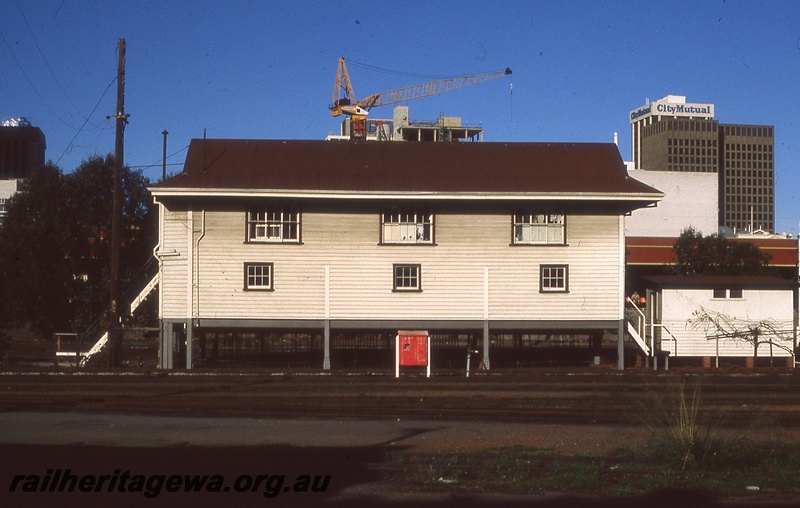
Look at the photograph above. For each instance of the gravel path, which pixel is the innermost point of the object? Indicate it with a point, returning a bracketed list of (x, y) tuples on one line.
[(413, 435)]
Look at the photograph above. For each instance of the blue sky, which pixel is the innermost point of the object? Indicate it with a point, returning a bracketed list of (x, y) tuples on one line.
[(265, 69)]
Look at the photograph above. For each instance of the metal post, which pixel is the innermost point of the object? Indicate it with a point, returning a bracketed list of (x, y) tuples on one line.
[(326, 360), (189, 342), (621, 345), (164, 163), (486, 345), (167, 345)]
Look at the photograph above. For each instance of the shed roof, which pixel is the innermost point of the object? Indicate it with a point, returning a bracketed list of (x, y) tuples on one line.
[(720, 281), (655, 251), (244, 166)]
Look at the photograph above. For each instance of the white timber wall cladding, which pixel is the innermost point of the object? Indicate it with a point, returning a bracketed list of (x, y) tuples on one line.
[(174, 264), (679, 306), (361, 276)]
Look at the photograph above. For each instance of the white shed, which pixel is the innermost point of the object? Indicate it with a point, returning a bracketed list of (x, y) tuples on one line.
[(722, 316)]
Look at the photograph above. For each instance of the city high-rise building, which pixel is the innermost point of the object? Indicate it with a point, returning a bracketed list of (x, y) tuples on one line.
[(747, 177), (22, 148), (672, 135)]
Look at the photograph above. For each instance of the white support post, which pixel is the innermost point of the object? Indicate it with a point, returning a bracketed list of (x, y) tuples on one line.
[(189, 286), (166, 345), (428, 367), (486, 317), (621, 297), (326, 362)]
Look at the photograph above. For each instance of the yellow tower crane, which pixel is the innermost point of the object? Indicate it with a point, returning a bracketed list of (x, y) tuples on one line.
[(344, 99)]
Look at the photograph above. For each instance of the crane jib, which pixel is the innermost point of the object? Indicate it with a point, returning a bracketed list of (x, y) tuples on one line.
[(348, 104)]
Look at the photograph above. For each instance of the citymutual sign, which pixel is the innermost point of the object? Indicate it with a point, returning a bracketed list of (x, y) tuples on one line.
[(673, 109)]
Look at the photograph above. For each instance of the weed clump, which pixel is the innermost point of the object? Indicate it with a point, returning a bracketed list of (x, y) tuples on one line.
[(683, 438)]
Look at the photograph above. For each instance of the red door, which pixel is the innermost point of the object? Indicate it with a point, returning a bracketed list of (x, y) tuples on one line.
[(413, 350)]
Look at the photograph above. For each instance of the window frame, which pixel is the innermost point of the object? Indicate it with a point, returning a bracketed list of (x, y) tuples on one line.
[(564, 276), (402, 288), (288, 216), (522, 220), (418, 223), (727, 293), (247, 276)]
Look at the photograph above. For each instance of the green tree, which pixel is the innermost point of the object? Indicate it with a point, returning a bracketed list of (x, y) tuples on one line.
[(35, 269), (696, 254), (55, 245)]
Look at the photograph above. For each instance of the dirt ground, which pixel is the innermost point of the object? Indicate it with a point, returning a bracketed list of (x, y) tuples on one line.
[(343, 423)]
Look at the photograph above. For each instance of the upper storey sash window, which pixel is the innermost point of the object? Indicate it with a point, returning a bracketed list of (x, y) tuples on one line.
[(409, 225), (273, 224), (538, 228)]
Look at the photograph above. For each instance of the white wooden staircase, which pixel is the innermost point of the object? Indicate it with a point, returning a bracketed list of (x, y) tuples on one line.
[(137, 301)]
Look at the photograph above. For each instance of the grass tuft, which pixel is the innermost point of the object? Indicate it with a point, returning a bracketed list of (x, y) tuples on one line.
[(685, 439)]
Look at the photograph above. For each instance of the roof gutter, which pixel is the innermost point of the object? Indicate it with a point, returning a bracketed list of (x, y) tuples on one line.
[(405, 195)]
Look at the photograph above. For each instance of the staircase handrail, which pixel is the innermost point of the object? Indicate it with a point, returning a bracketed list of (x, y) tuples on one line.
[(672, 337), (97, 326), (641, 321), (647, 350)]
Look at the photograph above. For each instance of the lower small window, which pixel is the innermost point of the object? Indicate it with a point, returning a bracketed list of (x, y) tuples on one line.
[(553, 278), (258, 276), (407, 278)]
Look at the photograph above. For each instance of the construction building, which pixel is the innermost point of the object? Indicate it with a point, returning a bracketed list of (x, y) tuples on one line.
[(401, 128), (673, 135)]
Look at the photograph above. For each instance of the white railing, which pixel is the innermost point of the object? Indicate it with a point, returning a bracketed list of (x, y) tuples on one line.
[(638, 338), (141, 297), (648, 343), (144, 293), (100, 344), (674, 350), (641, 325)]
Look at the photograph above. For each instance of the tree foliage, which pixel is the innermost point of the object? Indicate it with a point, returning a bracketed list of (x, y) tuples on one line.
[(696, 254), (55, 245)]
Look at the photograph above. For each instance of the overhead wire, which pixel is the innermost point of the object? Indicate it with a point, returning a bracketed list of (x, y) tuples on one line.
[(47, 64), (161, 161), (102, 130), (402, 73), (30, 82), (87, 120)]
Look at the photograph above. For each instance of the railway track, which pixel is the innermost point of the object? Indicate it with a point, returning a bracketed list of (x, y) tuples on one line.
[(549, 397)]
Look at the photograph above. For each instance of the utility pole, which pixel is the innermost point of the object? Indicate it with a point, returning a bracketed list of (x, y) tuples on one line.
[(164, 164), (114, 344)]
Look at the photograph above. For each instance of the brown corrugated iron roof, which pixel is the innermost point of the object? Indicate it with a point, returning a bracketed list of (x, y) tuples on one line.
[(344, 166)]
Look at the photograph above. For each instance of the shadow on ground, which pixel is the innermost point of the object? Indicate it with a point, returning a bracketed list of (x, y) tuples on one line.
[(32, 475)]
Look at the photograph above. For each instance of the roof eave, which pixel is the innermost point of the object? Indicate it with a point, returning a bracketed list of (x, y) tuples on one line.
[(391, 195)]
